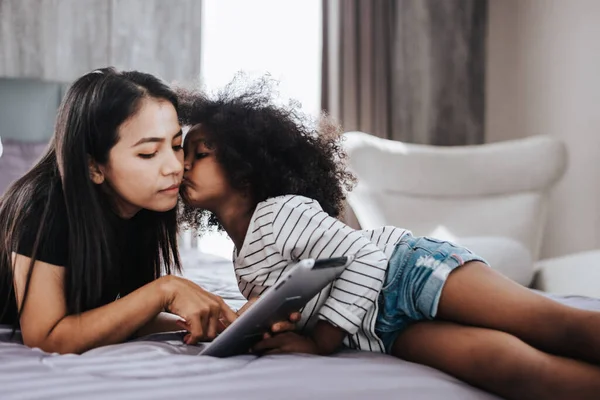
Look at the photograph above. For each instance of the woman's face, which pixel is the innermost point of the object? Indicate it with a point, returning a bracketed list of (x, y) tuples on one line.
[(145, 166), (205, 183)]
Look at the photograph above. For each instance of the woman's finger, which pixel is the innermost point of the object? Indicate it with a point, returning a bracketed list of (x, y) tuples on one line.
[(204, 317), (228, 314), (196, 330), (194, 339), (246, 306), (213, 321), (222, 325)]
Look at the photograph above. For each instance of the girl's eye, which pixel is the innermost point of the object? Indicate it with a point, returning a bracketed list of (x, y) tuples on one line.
[(147, 156), (178, 148), (200, 155)]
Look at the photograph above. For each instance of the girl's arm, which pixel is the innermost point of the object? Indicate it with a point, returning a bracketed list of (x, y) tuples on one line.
[(302, 230), (46, 325), (328, 338)]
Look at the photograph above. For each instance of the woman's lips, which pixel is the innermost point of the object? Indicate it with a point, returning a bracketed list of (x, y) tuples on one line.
[(172, 189)]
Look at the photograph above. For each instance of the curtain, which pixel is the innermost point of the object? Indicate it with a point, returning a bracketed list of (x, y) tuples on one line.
[(408, 70)]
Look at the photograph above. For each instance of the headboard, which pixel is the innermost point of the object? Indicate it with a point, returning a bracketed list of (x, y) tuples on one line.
[(27, 114), (28, 108)]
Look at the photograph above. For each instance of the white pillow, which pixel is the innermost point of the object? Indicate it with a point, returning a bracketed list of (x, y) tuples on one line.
[(505, 255)]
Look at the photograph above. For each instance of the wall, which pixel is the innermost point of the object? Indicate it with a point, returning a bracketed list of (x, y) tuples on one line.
[(543, 77), (63, 39)]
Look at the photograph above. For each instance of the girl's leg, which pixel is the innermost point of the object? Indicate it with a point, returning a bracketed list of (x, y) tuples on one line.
[(476, 295), (497, 362)]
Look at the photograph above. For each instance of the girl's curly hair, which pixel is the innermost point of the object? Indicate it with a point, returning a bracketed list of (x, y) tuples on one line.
[(267, 149)]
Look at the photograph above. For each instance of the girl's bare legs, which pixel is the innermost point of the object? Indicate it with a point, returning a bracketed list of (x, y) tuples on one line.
[(497, 362), (476, 295)]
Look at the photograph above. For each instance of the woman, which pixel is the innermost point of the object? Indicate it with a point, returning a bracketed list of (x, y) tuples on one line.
[(88, 235)]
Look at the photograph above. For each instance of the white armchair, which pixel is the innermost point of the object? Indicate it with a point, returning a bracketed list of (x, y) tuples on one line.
[(491, 198)]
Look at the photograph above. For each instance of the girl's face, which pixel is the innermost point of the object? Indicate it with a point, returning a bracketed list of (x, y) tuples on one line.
[(205, 183), (145, 166)]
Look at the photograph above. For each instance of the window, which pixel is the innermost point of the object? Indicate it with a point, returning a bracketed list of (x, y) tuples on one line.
[(280, 37)]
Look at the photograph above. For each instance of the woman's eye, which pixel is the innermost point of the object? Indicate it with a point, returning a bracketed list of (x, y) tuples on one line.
[(178, 148), (200, 155), (147, 156)]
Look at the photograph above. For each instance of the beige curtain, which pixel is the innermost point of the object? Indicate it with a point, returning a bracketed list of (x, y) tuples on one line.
[(409, 70)]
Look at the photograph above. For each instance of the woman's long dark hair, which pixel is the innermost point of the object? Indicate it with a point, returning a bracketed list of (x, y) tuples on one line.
[(87, 126)]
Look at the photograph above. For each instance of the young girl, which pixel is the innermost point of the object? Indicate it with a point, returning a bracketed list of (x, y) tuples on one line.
[(88, 235), (276, 187)]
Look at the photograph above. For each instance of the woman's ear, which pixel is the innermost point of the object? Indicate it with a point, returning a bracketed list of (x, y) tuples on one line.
[(96, 174)]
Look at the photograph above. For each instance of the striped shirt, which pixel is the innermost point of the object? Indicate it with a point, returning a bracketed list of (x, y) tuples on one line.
[(286, 229)]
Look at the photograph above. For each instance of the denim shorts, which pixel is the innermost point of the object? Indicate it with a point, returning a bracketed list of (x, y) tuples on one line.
[(417, 271)]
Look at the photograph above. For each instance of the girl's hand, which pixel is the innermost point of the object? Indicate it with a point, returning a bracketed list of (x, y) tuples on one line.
[(277, 327), (203, 313), (288, 342)]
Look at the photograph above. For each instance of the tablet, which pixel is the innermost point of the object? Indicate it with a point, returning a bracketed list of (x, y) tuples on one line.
[(304, 281)]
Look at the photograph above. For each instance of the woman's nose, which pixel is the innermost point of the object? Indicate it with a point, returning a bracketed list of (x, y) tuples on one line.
[(173, 165)]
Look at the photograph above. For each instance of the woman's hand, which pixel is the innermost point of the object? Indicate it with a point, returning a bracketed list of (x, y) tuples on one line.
[(277, 327), (246, 306), (202, 312)]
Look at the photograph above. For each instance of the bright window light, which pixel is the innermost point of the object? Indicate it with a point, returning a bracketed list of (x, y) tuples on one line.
[(279, 37)]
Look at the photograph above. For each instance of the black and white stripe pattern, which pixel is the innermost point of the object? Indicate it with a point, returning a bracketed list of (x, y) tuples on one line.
[(289, 228)]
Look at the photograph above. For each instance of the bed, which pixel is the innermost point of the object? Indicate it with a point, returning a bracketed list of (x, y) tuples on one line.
[(161, 366)]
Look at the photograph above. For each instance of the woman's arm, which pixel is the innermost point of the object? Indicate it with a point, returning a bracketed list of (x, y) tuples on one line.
[(45, 323)]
